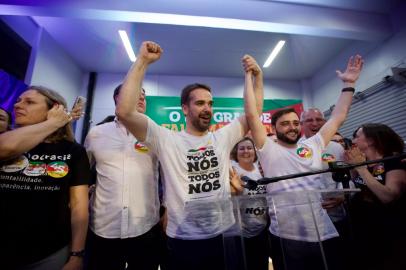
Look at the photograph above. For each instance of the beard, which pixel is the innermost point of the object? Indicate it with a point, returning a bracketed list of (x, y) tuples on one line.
[(281, 136), (201, 124)]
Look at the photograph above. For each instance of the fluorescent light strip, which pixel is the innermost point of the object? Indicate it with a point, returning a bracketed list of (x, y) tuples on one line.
[(127, 45), (190, 20), (274, 53)]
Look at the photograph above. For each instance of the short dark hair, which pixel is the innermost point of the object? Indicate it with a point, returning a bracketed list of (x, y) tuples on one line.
[(108, 119), (233, 153), (384, 139), (278, 114), (184, 98), (117, 92)]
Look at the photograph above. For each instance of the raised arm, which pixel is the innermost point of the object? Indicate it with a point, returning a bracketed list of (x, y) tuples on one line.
[(342, 106), (20, 140), (257, 86), (258, 131), (130, 92)]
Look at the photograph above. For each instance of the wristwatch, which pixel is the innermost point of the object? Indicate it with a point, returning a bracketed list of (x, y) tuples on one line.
[(80, 253)]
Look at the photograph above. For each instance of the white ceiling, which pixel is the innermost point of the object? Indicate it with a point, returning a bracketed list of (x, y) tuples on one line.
[(222, 32)]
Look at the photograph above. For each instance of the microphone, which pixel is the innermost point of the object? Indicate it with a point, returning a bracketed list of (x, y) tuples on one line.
[(249, 183), (340, 172)]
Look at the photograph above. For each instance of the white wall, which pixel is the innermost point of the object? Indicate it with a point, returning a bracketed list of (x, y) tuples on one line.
[(55, 69), (379, 58), (160, 85), (49, 65)]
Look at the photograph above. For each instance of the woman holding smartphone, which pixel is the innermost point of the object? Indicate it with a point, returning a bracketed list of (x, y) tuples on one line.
[(44, 178)]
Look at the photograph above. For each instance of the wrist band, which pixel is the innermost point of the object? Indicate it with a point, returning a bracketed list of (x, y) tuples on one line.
[(80, 253), (348, 89)]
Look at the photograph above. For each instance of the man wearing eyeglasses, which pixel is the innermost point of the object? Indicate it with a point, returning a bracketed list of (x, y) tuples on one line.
[(312, 120)]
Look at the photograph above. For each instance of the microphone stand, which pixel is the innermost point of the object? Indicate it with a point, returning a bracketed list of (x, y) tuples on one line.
[(340, 170)]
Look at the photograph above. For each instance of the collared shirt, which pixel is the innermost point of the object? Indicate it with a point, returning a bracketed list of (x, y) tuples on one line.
[(125, 202)]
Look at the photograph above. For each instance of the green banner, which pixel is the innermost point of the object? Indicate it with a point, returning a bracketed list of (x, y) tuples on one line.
[(167, 112)]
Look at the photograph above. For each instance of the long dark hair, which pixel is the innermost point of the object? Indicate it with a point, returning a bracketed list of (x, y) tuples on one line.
[(384, 139)]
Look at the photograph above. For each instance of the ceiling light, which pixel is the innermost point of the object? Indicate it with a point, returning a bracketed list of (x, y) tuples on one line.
[(127, 45), (274, 53)]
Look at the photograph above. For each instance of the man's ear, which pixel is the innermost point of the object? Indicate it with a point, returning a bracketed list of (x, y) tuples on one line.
[(185, 109)]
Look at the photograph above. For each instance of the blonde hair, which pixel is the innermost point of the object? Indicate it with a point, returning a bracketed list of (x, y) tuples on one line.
[(52, 97)]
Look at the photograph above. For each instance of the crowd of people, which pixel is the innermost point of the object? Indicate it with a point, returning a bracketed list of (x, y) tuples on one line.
[(166, 199)]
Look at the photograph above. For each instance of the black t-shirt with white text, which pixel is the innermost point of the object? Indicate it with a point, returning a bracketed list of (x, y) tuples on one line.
[(379, 172), (34, 200)]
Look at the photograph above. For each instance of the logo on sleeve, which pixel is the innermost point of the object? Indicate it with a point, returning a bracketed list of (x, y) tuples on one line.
[(15, 165), (378, 169), (304, 152), (57, 169), (35, 169), (139, 147), (326, 157)]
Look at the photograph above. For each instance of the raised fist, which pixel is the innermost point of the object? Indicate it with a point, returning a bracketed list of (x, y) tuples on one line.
[(150, 51), (250, 65)]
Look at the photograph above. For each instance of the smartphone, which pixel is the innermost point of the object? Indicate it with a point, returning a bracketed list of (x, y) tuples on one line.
[(79, 101)]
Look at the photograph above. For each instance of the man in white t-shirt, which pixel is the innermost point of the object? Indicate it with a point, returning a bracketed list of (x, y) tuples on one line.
[(124, 208), (294, 236), (311, 121), (195, 164)]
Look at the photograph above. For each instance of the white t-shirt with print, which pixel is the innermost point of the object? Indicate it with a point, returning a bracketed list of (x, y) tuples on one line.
[(196, 173), (333, 152), (252, 204), (290, 208)]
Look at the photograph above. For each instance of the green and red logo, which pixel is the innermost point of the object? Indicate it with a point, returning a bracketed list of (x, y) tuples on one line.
[(378, 169), (304, 152), (326, 157), (57, 169), (35, 169), (194, 151), (139, 147)]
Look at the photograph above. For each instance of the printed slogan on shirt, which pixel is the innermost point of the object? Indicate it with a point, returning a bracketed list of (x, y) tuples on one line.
[(203, 171)]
